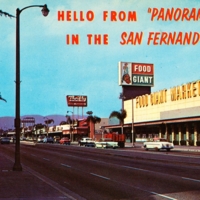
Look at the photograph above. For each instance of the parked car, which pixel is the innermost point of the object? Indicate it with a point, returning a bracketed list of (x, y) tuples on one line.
[(158, 144), (22, 138), (106, 143), (47, 140), (86, 141), (40, 139), (5, 140), (56, 139), (65, 140)]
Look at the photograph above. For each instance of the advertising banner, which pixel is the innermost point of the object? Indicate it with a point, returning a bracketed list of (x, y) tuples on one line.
[(136, 74), (76, 100)]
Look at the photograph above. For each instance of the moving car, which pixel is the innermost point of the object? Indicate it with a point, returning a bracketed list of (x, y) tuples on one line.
[(106, 143), (65, 140), (48, 140), (158, 144), (87, 142), (5, 140)]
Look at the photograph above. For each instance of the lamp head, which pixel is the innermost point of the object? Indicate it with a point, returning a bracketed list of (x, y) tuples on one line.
[(45, 10)]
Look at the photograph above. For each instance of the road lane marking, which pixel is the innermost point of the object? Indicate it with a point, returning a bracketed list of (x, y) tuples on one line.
[(191, 179), (46, 159), (100, 176), (145, 170), (96, 160), (161, 195), (65, 165)]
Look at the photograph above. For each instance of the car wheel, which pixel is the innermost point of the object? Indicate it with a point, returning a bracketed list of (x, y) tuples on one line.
[(146, 148), (157, 149)]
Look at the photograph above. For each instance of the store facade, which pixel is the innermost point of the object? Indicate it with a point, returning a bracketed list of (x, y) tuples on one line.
[(170, 113)]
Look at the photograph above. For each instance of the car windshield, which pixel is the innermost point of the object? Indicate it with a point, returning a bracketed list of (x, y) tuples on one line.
[(163, 140)]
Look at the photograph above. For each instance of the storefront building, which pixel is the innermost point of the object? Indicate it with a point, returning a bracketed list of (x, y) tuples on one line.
[(170, 113)]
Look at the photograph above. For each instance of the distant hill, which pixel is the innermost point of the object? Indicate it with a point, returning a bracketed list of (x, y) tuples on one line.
[(8, 122)]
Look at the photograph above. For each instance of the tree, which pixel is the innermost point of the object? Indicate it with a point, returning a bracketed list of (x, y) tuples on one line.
[(92, 120), (37, 127), (63, 123), (68, 119), (2, 98), (6, 14), (119, 115), (47, 122)]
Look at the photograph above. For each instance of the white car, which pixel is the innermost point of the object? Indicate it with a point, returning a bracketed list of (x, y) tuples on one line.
[(106, 143), (158, 144)]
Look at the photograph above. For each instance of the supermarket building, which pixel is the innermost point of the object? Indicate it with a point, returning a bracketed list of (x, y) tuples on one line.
[(170, 113)]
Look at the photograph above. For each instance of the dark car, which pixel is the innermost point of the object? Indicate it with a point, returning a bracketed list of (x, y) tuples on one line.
[(48, 140), (5, 140), (65, 140)]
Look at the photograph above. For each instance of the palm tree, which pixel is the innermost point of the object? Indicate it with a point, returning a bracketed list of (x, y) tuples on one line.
[(37, 127), (63, 123), (119, 115), (68, 119), (92, 120), (2, 98), (47, 122)]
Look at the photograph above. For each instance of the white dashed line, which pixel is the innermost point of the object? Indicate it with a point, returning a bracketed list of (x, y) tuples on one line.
[(65, 165), (191, 179), (46, 159), (100, 176)]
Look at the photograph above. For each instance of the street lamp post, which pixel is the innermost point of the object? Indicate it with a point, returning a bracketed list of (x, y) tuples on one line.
[(17, 165), (132, 130), (71, 129)]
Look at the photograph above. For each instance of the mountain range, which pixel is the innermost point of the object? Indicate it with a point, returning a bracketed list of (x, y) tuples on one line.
[(8, 122)]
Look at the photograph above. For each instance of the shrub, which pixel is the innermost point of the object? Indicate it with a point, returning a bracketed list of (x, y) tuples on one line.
[(176, 142), (183, 142), (191, 142), (198, 143)]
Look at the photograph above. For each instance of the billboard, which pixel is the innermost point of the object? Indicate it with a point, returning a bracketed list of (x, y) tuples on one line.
[(76, 100), (136, 74)]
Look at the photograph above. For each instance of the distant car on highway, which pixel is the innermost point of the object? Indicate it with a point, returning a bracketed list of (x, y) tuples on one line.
[(65, 140), (158, 144), (5, 140), (106, 143), (48, 140)]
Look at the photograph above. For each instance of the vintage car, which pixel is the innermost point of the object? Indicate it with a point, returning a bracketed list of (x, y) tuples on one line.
[(47, 140), (106, 143), (65, 140), (87, 142), (5, 140), (158, 144)]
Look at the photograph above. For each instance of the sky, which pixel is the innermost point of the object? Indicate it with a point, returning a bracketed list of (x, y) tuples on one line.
[(51, 69)]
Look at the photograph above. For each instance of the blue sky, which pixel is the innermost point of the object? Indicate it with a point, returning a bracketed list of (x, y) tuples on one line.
[(51, 69)]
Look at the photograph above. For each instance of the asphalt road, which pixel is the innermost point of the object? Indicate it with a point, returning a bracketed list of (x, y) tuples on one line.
[(114, 174)]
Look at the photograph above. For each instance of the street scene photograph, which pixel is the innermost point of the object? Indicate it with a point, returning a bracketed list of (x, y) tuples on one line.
[(99, 100)]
